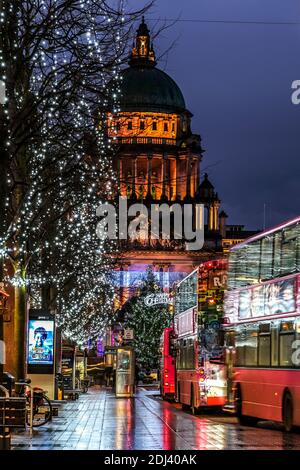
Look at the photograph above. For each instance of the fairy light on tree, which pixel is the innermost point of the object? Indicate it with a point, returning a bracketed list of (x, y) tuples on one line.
[(57, 57)]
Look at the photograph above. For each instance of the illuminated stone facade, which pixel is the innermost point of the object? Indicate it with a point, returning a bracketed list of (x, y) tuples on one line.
[(159, 161)]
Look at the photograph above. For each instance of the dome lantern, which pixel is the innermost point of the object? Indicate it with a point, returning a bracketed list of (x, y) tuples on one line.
[(144, 87), (142, 54)]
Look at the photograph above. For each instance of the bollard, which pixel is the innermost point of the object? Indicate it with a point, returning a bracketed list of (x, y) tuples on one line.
[(5, 440), (60, 394)]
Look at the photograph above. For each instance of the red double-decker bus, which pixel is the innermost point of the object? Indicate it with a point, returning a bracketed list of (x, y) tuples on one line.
[(167, 364), (262, 307), (200, 371)]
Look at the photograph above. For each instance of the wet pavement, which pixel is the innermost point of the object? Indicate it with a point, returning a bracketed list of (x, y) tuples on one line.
[(99, 421)]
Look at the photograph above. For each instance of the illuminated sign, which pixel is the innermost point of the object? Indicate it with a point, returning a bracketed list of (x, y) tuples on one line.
[(217, 280), (40, 342), (128, 334), (155, 299)]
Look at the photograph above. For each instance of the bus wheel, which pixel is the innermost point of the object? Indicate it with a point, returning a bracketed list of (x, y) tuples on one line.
[(243, 419), (193, 407), (287, 412)]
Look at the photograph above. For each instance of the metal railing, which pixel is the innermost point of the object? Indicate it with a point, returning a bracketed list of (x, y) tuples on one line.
[(24, 384), (12, 416)]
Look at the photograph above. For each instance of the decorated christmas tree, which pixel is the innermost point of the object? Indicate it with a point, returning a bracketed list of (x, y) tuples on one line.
[(148, 322)]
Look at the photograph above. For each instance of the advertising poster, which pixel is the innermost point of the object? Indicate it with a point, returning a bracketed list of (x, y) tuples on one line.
[(280, 297), (40, 342)]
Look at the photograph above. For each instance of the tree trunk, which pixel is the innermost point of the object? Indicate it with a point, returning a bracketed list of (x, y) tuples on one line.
[(1, 339), (20, 324)]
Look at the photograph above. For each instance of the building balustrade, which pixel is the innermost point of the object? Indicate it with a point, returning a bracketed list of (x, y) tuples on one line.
[(148, 244), (146, 141)]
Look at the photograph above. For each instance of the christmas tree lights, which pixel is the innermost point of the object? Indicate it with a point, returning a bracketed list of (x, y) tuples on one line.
[(57, 58), (148, 322)]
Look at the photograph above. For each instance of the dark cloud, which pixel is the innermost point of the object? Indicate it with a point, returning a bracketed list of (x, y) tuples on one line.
[(236, 79)]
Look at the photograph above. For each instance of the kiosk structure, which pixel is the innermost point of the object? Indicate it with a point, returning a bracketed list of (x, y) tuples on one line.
[(125, 372)]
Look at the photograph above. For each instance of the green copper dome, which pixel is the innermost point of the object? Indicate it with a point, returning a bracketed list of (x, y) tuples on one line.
[(144, 87), (150, 89)]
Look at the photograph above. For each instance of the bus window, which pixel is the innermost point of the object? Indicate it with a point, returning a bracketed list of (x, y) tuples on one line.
[(277, 254), (289, 251), (252, 263), (179, 355), (264, 345), (172, 349), (190, 354), (230, 339), (188, 364), (240, 349), (246, 346), (184, 354), (251, 346), (232, 270), (241, 258), (266, 264), (274, 344), (286, 339)]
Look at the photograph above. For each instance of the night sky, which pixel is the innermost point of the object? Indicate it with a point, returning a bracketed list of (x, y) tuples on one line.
[(236, 79)]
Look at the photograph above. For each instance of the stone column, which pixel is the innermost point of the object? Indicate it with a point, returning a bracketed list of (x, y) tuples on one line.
[(195, 175), (188, 175), (134, 177), (164, 173), (149, 174), (216, 218), (211, 218), (198, 171), (177, 195)]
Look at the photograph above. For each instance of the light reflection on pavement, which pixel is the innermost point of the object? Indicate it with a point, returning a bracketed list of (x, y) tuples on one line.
[(100, 421)]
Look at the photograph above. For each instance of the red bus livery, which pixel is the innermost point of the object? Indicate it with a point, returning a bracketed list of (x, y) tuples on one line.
[(167, 364), (262, 307), (200, 373)]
